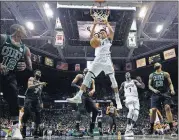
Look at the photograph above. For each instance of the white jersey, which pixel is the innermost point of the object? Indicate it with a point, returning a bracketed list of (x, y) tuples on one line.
[(104, 48), (130, 89)]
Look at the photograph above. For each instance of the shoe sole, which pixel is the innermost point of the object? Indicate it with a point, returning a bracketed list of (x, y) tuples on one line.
[(129, 135), (16, 138), (68, 100)]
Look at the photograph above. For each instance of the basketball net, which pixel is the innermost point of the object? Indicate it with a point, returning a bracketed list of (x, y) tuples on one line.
[(100, 13)]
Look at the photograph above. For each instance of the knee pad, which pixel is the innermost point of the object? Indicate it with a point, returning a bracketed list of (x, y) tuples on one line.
[(88, 77), (113, 81), (135, 115)]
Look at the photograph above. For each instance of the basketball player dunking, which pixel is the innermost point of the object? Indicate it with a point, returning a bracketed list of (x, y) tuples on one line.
[(132, 101), (14, 56), (33, 102), (88, 103), (102, 62), (158, 84)]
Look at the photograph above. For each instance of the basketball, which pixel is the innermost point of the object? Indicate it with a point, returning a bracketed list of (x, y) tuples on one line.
[(95, 42)]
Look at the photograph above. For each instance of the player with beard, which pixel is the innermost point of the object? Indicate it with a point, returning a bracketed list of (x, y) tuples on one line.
[(33, 102), (102, 62), (87, 102), (132, 101), (14, 57), (159, 82)]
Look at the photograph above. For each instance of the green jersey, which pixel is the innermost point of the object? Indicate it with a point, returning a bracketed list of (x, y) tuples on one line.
[(159, 82), (10, 54)]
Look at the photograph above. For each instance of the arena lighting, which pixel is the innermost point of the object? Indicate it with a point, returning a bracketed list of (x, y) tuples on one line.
[(49, 12), (142, 12), (30, 25), (46, 5), (159, 28), (89, 7)]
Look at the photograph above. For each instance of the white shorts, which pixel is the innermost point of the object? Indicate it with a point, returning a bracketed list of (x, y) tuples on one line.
[(102, 63), (132, 100)]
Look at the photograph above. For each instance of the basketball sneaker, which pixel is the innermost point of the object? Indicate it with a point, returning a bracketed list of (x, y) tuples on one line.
[(76, 99), (16, 134), (173, 133), (77, 134), (129, 133)]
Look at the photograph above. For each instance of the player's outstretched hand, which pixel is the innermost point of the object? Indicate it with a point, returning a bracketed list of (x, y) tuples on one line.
[(43, 83)]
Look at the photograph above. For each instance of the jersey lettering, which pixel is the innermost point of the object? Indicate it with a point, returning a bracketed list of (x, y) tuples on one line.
[(158, 80), (10, 56), (130, 89)]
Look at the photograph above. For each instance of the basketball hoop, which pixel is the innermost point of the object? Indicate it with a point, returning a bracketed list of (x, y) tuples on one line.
[(100, 13)]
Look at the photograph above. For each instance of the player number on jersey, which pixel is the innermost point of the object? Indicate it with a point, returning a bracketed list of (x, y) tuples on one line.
[(9, 64), (159, 83), (36, 90)]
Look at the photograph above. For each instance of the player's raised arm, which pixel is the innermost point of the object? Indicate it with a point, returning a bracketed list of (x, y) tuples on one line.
[(93, 29), (77, 78), (111, 31)]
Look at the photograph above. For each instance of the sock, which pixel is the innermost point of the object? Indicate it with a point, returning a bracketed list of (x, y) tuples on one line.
[(171, 125), (77, 126), (152, 126), (80, 93), (92, 125), (132, 123)]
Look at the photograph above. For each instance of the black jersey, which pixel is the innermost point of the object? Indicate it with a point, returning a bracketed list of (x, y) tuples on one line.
[(10, 54), (159, 82), (34, 93)]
